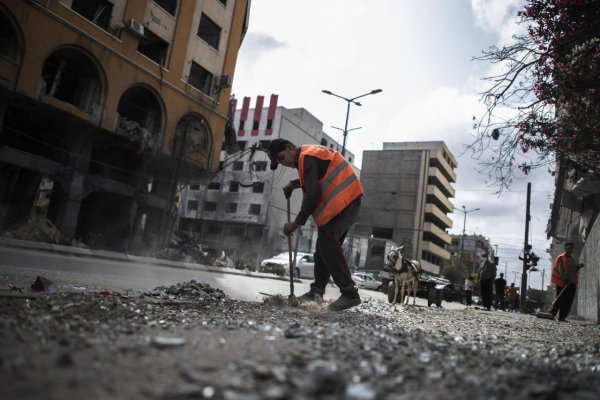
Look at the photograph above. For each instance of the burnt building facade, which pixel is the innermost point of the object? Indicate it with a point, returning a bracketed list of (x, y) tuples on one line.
[(107, 105)]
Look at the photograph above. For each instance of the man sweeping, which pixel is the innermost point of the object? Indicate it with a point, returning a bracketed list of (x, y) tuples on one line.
[(565, 271), (332, 193)]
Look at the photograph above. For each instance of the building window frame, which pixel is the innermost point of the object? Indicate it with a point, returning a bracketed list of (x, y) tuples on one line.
[(209, 31), (258, 187), (200, 78), (170, 6), (254, 209), (192, 205)]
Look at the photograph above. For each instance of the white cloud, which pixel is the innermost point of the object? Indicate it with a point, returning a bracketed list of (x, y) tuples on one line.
[(494, 15)]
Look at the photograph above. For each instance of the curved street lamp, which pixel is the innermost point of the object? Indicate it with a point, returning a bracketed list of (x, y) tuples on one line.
[(350, 101)]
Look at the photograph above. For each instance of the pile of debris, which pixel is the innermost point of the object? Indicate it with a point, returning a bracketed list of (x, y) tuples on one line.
[(41, 229), (185, 247), (191, 290)]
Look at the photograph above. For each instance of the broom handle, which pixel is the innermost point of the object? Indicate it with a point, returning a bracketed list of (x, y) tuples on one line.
[(558, 297), (289, 218)]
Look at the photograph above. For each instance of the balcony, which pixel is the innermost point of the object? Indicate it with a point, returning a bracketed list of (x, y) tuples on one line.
[(440, 199), (439, 233), (439, 179), (441, 163), (436, 250), (439, 214)]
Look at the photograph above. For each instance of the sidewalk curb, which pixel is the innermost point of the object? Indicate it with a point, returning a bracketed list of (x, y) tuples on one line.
[(115, 256)]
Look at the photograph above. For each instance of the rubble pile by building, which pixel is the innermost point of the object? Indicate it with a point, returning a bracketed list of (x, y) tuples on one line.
[(182, 246), (42, 230)]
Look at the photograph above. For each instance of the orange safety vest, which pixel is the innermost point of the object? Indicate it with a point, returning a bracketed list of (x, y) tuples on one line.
[(556, 279), (339, 187)]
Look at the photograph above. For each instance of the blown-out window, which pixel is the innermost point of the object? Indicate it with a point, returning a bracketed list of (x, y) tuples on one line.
[(254, 209), (97, 11), (192, 205), (209, 31), (258, 187), (70, 76), (192, 133), (168, 5), (153, 47), (200, 78), (9, 42)]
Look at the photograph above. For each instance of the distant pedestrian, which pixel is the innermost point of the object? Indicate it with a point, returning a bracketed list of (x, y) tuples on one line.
[(565, 272), (511, 294), (499, 288), (487, 273), (469, 285)]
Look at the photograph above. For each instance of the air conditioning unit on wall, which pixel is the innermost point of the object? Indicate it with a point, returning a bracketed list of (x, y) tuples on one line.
[(136, 27), (223, 81)]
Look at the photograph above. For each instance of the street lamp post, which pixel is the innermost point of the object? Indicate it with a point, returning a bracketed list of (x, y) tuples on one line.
[(350, 101), (462, 242)]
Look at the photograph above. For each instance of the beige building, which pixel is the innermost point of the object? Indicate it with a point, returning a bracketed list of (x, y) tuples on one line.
[(408, 186), (113, 102)]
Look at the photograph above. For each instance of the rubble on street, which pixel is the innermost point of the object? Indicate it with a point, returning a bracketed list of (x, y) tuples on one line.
[(191, 341)]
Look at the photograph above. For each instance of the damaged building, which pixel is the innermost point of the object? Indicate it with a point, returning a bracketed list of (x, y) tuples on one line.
[(106, 106)]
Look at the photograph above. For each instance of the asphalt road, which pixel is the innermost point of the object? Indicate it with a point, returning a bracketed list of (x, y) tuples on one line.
[(191, 341), (98, 274)]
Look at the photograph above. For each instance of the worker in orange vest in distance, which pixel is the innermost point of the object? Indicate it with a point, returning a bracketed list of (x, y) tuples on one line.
[(331, 193), (511, 294), (565, 276)]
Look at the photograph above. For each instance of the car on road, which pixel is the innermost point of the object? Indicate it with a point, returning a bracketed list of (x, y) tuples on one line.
[(280, 265), (366, 281), (454, 292)]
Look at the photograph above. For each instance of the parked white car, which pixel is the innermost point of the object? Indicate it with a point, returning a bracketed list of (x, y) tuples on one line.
[(366, 281), (279, 265)]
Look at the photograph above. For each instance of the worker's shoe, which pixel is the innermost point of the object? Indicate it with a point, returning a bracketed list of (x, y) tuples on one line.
[(345, 301), (311, 297)]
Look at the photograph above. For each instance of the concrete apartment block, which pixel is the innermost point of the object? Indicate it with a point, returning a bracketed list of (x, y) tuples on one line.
[(408, 186)]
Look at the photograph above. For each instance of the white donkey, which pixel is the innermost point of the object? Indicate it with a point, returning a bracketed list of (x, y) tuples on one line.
[(406, 274)]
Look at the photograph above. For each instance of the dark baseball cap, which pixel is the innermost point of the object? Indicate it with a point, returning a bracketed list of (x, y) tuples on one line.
[(274, 148)]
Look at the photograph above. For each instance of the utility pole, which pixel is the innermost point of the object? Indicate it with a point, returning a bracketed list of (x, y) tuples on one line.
[(526, 249), (543, 273), (505, 268)]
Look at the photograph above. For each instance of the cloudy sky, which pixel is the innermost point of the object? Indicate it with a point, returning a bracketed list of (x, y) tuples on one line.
[(419, 52)]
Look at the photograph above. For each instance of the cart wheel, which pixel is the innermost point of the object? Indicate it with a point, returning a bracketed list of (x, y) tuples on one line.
[(390, 291)]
